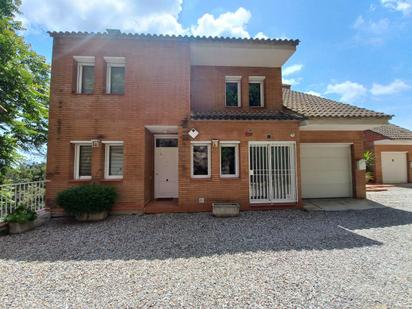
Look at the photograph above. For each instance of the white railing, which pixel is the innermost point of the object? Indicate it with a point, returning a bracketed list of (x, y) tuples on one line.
[(29, 194)]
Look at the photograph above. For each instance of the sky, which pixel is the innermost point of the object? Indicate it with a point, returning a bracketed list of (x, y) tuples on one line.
[(358, 52)]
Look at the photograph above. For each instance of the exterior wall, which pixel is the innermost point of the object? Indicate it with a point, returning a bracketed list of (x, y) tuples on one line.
[(215, 188), (208, 87), (151, 98), (354, 137), (378, 162), (369, 137)]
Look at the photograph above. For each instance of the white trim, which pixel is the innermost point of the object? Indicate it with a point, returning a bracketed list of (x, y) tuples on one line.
[(200, 142), (209, 161), (393, 142), (256, 79), (115, 60), (237, 80), (232, 78), (226, 144), (229, 142), (118, 62), (77, 158), (113, 142), (394, 152), (341, 124), (107, 158), (81, 142), (90, 60), (261, 81)]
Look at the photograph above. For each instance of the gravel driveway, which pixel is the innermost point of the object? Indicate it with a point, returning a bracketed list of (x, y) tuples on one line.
[(285, 258)]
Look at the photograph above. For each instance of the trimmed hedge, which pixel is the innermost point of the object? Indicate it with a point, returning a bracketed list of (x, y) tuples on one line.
[(92, 198)]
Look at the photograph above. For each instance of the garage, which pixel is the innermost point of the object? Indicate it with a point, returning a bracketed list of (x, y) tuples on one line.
[(326, 170), (394, 167)]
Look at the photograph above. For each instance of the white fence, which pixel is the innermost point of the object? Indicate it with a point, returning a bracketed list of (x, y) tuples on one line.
[(29, 194)]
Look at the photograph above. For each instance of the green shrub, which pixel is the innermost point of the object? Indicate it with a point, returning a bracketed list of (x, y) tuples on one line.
[(87, 199), (21, 214)]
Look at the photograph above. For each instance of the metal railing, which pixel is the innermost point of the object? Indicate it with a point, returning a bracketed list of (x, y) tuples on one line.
[(29, 194)]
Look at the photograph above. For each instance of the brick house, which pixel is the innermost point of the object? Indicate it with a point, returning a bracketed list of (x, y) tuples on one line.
[(392, 146), (177, 123)]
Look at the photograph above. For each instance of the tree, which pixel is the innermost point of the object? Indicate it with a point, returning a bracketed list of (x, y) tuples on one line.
[(24, 91)]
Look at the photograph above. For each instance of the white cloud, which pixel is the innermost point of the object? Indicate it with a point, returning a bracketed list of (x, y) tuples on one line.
[(292, 81), (155, 16), (292, 69), (404, 6), (261, 35), (373, 27), (347, 90), (396, 86), (311, 92), (226, 24)]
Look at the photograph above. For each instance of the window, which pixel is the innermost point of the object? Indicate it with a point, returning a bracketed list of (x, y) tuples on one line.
[(85, 74), (232, 92), (113, 167), (229, 159), (166, 142), (83, 160), (256, 91), (200, 160), (115, 75)]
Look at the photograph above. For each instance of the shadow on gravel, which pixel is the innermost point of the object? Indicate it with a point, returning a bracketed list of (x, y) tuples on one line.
[(197, 235)]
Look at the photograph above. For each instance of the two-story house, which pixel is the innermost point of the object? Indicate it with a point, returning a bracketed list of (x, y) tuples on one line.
[(177, 123)]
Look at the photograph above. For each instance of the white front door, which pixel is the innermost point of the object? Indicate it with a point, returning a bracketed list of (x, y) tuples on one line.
[(166, 180), (394, 167)]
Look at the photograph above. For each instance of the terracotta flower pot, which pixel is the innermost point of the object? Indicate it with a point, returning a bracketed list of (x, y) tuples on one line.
[(98, 216), (17, 228)]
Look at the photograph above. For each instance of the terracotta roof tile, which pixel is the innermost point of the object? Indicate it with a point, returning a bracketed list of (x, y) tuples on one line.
[(392, 131), (314, 106), (246, 115), (118, 34)]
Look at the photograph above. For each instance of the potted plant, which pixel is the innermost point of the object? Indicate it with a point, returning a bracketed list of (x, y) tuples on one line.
[(90, 202), (21, 220)]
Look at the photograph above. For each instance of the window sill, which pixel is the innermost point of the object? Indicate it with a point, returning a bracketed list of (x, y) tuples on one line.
[(258, 107), (229, 177), (115, 94), (85, 94), (80, 180), (111, 180)]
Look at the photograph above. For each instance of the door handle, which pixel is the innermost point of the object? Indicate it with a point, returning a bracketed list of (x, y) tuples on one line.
[(167, 179)]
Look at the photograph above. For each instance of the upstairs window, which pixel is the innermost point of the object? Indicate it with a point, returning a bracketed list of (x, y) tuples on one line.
[(113, 160), (256, 91), (232, 94), (85, 74), (82, 160), (115, 75)]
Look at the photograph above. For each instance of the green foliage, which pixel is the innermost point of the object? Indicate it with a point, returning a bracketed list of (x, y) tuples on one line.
[(21, 214), (92, 198), (24, 91), (25, 172), (369, 158)]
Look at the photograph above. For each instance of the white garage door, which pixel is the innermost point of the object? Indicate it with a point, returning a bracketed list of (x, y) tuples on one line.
[(326, 170), (394, 167)]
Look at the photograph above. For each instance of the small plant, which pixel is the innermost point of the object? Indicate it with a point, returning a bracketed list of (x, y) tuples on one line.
[(87, 199), (21, 214), (369, 158), (369, 177)]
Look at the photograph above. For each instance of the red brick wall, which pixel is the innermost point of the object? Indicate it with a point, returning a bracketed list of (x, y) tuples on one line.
[(378, 159), (369, 137), (151, 97), (216, 188), (208, 87)]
